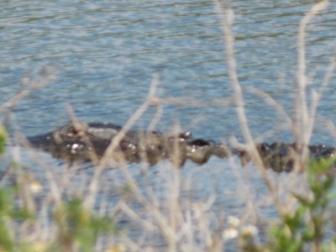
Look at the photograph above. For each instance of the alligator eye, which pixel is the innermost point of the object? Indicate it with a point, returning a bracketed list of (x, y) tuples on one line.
[(200, 142), (72, 132)]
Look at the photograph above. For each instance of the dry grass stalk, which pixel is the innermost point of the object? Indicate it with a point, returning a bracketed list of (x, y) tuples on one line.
[(185, 226), (106, 159), (226, 17), (46, 75), (304, 121)]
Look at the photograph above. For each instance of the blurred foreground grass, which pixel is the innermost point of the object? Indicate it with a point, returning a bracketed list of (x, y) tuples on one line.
[(65, 223), (307, 228)]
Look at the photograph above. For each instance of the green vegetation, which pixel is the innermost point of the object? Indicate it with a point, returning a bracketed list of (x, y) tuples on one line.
[(8, 214), (170, 220), (306, 228), (77, 228), (3, 136)]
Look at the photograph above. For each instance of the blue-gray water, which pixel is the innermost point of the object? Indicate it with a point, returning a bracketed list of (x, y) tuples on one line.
[(106, 53)]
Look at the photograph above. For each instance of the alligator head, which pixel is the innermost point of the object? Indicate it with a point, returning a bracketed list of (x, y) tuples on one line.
[(76, 141)]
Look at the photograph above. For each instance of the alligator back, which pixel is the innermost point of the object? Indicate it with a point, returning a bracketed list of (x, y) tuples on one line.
[(79, 141)]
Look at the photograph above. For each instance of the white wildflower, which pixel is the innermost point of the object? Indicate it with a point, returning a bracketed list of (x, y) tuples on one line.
[(230, 234), (233, 221), (35, 187)]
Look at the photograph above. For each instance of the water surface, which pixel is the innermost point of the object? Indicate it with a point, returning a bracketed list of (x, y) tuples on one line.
[(106, 54)]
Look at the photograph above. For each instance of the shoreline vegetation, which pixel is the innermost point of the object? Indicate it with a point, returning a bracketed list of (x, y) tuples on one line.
[(61, 215)]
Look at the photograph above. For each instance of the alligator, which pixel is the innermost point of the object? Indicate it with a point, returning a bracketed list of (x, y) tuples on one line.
[(87, 142), (81, 141)]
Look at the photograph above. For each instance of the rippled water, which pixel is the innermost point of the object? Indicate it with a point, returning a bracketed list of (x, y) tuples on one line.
[(106, 53)]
